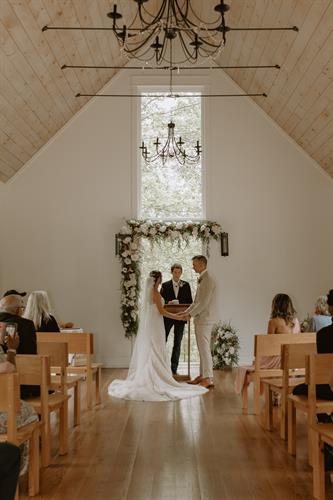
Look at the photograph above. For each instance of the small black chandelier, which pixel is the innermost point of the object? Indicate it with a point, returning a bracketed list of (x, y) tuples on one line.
[(172, 149)]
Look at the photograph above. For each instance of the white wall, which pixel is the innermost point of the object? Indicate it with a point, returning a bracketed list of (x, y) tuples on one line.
[(60, 214)]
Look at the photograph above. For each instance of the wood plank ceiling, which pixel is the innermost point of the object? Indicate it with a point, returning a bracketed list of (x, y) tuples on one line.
[(37, 98)]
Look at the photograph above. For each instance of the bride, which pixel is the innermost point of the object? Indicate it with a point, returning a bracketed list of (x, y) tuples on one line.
[(149, 376)]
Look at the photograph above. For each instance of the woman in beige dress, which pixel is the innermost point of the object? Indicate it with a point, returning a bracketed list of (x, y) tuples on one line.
[(283, 320)]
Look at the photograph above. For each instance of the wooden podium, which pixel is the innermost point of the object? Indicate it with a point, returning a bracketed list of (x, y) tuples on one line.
[(177, 308)]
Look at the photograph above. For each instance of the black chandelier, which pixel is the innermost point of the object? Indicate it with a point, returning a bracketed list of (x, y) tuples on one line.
[(172, 149), (174, 19), (149, 36)]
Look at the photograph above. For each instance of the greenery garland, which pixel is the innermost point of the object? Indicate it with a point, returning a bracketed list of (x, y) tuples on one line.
[(225, 343), (129, 252)]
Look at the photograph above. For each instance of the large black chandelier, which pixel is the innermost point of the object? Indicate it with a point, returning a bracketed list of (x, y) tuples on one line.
[(172, 150), (149, 36)]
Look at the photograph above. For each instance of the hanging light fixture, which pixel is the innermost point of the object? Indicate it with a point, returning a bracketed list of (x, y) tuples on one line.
[(172, 149), (172, 21)]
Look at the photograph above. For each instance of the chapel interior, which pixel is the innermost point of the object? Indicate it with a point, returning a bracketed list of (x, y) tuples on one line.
[(71, 178)]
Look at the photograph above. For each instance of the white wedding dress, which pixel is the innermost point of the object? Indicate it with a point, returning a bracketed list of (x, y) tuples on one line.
[(149, 376)]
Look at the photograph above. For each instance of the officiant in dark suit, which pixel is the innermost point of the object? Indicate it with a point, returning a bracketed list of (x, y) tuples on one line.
[(176, 290)]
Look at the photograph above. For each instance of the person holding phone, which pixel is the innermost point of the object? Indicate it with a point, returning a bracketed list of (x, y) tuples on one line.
[(9, 342)]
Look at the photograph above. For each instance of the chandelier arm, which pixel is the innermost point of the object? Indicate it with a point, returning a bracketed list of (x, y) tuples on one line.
[(138, 47), (191, 57), (155, 19)]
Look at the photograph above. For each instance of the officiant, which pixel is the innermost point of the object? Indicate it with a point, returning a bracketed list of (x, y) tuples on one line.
[(175, 291)]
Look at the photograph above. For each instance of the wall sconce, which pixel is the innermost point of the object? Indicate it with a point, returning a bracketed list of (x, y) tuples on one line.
[(224, 245), (117, 242)]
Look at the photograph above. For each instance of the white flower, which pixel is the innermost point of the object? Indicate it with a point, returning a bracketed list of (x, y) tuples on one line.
[(152, 231), (135, 257), (134, 246), (216, 229), (162, 229), (127, 261), (179, 225), (124, 254), (203, 228), (126, 230), (144, 228), (231, 350), (195, 232)]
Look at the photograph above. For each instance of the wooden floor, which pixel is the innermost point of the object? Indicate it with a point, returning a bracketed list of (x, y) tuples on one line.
[(197, 449)]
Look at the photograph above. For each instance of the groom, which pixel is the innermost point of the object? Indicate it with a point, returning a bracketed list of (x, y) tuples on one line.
[(201, 311), (175, 290)]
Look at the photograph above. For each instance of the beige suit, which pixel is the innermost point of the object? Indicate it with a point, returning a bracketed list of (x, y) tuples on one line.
[(201, 311)]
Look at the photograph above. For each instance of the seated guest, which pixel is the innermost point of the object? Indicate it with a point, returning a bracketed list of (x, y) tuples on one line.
[(283, 320), (10, 309), (324, 342), (26, 415), (38, 310), (321, 317), (9, 470)]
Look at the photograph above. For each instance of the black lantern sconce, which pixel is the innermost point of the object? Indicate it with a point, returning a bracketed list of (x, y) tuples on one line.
[(117, 243), (224, 245)]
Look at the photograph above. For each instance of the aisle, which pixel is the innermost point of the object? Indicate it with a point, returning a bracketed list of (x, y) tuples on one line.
[(198, 449)]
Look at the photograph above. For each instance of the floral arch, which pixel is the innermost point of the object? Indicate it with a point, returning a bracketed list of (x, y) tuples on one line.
[(128, 243)]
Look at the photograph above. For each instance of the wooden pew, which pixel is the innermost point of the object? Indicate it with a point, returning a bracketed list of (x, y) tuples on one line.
[(34, 369), (268, 345), (10, 403), (322, 434), (60, 380), (79, 343), (317, 371), (292, 358)]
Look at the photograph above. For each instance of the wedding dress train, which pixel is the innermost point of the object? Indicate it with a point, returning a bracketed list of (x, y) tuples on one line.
[(149, 377)]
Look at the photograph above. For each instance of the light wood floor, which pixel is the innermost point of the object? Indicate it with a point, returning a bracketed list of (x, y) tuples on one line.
[(197, 449)]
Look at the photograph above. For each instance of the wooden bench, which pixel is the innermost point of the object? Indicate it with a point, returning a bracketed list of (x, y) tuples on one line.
[(268, 345), (79, 343), (292, 358), (317, 371), (34, 369), (60, 379), (322, 434), (10, 404)]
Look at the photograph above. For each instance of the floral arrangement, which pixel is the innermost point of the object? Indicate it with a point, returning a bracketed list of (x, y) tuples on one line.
[(306, 324), (129, 252), (225, 345)]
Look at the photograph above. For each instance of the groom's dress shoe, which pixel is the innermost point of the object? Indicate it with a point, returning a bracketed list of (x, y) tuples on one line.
[(207, 383), (196, 381)]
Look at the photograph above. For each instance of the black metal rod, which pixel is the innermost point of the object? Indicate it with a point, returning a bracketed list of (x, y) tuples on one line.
[(173, 68), (90, 28), (172, 96)]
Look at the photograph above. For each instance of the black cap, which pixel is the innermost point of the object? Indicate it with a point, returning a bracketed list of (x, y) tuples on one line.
[(14, 292), (330, 298)]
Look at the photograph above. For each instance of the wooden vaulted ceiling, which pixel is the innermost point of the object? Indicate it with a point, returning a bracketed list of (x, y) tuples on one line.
[(37, 98)]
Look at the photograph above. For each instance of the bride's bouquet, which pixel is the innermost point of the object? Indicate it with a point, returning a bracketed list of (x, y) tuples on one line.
[(225, 345)]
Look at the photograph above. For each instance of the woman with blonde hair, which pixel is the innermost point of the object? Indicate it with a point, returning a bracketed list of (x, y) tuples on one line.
[(321, 317), (38, 309)]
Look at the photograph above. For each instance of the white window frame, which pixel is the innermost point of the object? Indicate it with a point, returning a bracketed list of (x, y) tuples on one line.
[(160, 84)]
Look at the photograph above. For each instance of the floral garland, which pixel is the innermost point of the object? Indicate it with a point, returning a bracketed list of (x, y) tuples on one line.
[(129, 252), (225, 345)]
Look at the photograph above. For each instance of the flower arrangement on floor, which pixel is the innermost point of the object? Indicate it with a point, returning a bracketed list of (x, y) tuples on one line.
[(225, 345), (129, 252)]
